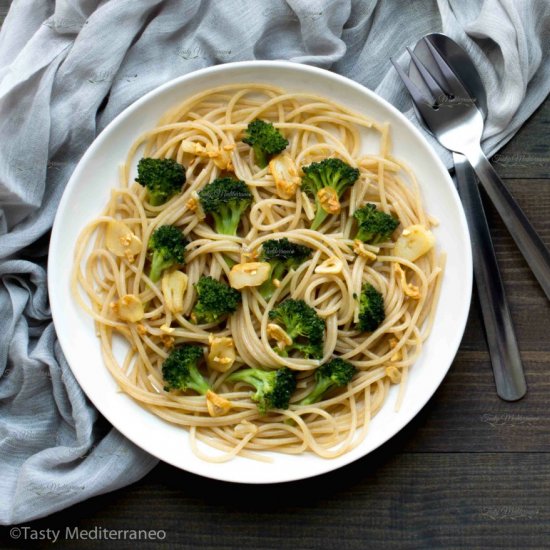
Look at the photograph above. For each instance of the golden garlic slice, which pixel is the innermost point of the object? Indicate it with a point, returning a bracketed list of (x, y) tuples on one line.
[(249, 274), (173, 286), (414, 242), (121, 241), (216, 404), (329, 201), (277, 333), (128, 308), (285, 173), (222, 353)]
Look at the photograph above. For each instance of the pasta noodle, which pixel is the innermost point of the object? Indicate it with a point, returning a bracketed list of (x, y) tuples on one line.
[(316, 128)]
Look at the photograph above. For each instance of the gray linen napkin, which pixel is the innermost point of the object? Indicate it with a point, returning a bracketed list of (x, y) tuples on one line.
[(67, 68)]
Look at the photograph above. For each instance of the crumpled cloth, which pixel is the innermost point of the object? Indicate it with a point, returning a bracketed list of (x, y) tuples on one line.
[(67, 68)]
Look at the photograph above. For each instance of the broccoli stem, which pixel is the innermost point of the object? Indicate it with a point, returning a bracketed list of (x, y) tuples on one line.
[(227, 221), (365, 236), (320, 388), (260, 156), (320, 216), (247, 375), (158, 265), (155, 199), (198, 383), (267, 288)]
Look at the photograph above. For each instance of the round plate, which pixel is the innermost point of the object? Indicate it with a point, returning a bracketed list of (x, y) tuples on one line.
[(88, 191)]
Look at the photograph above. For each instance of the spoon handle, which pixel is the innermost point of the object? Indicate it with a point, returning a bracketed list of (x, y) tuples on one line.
[(499, 330), (527, 239)]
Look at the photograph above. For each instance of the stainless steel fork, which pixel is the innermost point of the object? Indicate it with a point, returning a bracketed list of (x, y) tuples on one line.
[(453, 118)]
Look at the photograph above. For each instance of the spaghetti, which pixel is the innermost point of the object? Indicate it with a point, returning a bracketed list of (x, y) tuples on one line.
[(204, 134)]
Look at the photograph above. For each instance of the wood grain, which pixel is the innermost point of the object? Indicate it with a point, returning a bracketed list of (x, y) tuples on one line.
[(527, 155), (470, 471), (439, 500)]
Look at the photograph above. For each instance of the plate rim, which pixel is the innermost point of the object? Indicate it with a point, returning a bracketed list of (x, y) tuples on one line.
[(215, 473)]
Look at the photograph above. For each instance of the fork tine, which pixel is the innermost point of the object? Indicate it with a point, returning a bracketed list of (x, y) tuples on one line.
[(417, 96), (453, 83), (435, 88)]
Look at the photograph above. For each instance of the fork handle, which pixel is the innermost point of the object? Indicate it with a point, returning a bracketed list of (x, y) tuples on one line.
[(527, 239), (499, 330)]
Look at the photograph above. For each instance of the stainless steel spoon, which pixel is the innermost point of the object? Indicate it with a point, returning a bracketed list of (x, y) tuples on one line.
[(501, 339)]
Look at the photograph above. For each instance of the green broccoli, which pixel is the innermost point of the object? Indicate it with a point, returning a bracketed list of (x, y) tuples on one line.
[(225, 199), (163, 178), (180, 370), (266, 141), (374, 226), (326, 182), (273, 387), (283, 256), (371, 309), (167, 247), (336, 373), (215, 301), (303, 325)]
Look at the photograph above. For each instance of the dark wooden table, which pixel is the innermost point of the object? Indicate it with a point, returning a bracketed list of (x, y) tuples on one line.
[(469, 471)]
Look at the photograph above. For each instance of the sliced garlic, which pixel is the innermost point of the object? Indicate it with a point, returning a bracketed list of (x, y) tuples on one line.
[(222, 353), (216, 404), (247, 255), (220, 156), (328, 199), (285, 173), (408, 289), (361, 250), (202, 151), (331, 266), (397, 356), (121, 241), (168, 341), (188, 146), (414, 242), (275, 332), (249, 274), (194, 205), (174, 285), (308, 207), (128, 308), (223, 160), (394, 374)]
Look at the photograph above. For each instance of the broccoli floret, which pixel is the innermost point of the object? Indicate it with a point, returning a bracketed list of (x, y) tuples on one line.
[(332, 176), (163, 178), (283, 256), (303, 325), (167, 246), (266, 141), (374, 226), (225, 199), (273, 387), (335, 373), (180, 370), (371, 309), (215, 301)]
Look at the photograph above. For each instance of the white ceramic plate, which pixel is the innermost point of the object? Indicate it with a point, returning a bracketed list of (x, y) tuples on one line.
[(88, 191)]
